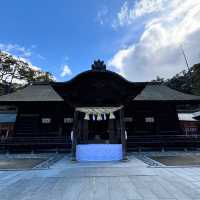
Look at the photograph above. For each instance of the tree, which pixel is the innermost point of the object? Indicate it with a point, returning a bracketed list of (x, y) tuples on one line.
[(185, 81), (159, 79), (15, 72), (196, 79), (181, 82)]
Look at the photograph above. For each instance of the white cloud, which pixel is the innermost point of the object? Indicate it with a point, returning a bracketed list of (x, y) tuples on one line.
[(22, 53), (41, 57), (65, 71), (130, 12), (16, 50), (157, 52), (144, 7), (102, 15)]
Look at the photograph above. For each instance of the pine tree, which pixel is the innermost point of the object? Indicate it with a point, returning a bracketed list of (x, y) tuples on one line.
[(15, 73)]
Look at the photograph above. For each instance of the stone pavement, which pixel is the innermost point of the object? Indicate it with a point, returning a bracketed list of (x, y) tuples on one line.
[(133, 180)]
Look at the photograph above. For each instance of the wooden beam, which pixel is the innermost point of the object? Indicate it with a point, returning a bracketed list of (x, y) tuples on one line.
[(112, 137), (85, 131)]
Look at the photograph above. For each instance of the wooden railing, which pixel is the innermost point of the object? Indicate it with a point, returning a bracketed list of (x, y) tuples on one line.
[(35, 141), (133, 142), (163, 141)]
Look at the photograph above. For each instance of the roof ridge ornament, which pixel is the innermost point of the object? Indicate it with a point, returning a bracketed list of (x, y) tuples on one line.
[(98, 65)]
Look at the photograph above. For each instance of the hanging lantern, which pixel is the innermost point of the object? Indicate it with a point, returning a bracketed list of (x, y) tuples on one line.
[(87, 117), (112, 116), (99, 118), (104, 116)]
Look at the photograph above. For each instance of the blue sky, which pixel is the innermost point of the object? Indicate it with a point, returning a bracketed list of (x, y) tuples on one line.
[(127, 35), (61, 32)]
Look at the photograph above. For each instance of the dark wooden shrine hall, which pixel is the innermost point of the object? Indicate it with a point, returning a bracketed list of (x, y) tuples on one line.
[(97, 106)]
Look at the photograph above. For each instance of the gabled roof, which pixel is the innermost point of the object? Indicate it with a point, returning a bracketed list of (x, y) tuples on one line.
[(39, 92), (45, 92), (156, 92)]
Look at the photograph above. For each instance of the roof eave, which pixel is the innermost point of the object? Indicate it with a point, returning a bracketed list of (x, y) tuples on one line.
[(172, 101)]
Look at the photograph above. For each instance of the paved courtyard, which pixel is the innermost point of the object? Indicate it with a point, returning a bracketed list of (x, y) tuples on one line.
[(133, 180)]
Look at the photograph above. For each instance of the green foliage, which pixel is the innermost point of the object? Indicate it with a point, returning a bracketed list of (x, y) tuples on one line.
[(196, 79), (187, 82), (181, 82), (15, 73), (1, 89)]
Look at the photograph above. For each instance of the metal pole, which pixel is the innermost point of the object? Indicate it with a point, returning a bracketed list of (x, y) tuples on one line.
[(186, 61)]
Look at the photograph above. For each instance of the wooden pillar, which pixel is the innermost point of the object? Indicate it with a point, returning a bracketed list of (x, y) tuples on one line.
[(111, 132), (118, 133), (59, 117), (157, 122), (178, 124), (60, 129), (123, 139), (74, 139), (85, 131)]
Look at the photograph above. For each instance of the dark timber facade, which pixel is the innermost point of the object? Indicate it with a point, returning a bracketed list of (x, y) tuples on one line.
[(145, 114)]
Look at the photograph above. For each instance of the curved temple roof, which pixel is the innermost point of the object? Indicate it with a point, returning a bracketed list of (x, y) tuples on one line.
[(42, 92), (45, 92), (157, 92), (98, 83)]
